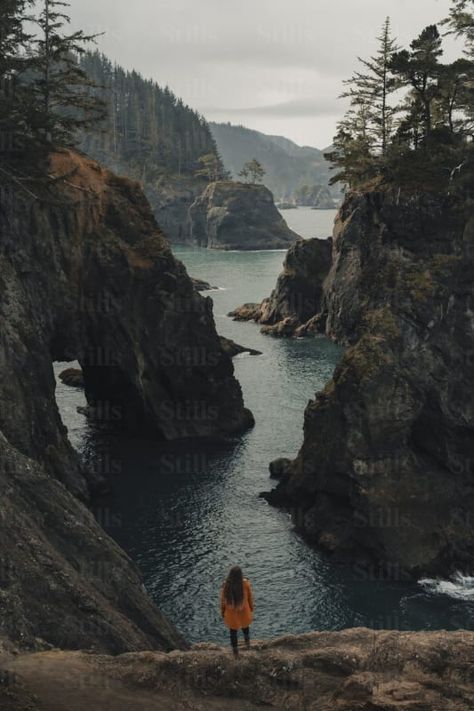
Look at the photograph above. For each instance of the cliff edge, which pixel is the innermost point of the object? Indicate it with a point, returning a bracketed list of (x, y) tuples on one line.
[(352, 670), (384, 475), (86, 274)]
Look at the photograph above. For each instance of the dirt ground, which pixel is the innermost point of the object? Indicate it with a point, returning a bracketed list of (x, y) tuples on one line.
[(354, 670)]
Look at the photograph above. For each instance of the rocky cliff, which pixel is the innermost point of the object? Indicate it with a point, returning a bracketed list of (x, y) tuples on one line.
[(353, 670), (295, 304), (231, 215), (85, 274), (384, 476), (171, 199)]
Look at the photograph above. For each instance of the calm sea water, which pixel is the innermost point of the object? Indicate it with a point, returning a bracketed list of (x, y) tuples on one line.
[(186, 512)]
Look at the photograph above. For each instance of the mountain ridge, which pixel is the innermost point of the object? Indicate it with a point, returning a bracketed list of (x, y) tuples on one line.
[(288, 166)]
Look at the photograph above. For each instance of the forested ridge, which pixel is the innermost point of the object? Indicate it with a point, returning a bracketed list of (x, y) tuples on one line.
[(147, 132)]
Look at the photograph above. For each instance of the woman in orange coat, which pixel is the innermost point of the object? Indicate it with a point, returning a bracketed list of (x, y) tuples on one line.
[(237, 606)]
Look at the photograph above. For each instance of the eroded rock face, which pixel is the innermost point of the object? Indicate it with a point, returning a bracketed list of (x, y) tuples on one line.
[(231, 215), (86, 274), (64, 582), (385, 474), (295, 305), (170, 200)]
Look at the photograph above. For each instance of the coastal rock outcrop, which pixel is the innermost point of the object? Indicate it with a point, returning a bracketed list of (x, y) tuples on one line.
[(351, 670), (201, 285), (384, 476), (64, 583), (230, 215), (86, 275), (295, 305), (170, 199), (234, 349)]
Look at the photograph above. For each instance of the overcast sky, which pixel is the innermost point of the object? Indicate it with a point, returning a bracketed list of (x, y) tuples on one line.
[(273, 65)]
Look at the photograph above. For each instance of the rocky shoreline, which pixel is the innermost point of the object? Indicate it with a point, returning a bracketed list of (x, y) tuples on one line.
[(294, 307), (383, 478)]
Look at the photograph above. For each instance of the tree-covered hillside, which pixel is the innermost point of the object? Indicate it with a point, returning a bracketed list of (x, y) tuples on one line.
[(148, 132), (288, 166)]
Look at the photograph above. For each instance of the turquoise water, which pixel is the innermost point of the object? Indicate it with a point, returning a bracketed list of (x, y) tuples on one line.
[(186, 512)]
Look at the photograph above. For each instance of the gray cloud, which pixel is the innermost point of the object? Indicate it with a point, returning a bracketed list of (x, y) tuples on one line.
[(290, 109), (276, 66)]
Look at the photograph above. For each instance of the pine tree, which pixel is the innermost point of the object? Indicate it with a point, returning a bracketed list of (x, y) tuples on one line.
[(456, 96), (420, 69), (13, 65), (372, 88), (461, 23), (209, 167), (253, 171), (61, 89), (351, 154)]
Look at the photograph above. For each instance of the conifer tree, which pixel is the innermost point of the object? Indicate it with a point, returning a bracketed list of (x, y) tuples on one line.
[(61, 89), (13, 64), (372, 87), (420, 69), (461, 23), (351, 154), (252, 171), (210, 167)]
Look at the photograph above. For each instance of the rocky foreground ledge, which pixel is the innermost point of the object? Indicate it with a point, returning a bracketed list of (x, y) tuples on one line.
[(353, 670)]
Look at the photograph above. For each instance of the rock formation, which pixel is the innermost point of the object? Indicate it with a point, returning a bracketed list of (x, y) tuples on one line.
[(64, 582), (231, 215), (85, 274), (295, 305), (384, 476), (201, 285), (170, 200), (352, 670), (234, 349), (72, 377)]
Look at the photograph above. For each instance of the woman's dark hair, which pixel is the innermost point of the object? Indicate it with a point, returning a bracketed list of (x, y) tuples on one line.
[(234, 587)]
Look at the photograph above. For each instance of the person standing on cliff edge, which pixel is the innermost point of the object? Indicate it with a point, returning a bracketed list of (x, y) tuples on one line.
[(237, 606)]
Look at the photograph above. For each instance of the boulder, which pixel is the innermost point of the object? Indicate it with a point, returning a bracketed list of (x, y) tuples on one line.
[(72, 377)]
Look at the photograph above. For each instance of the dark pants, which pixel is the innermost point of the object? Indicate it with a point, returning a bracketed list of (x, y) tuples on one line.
[(234, 633)]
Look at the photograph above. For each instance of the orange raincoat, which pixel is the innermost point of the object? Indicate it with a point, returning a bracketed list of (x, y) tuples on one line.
[(237, 618)]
